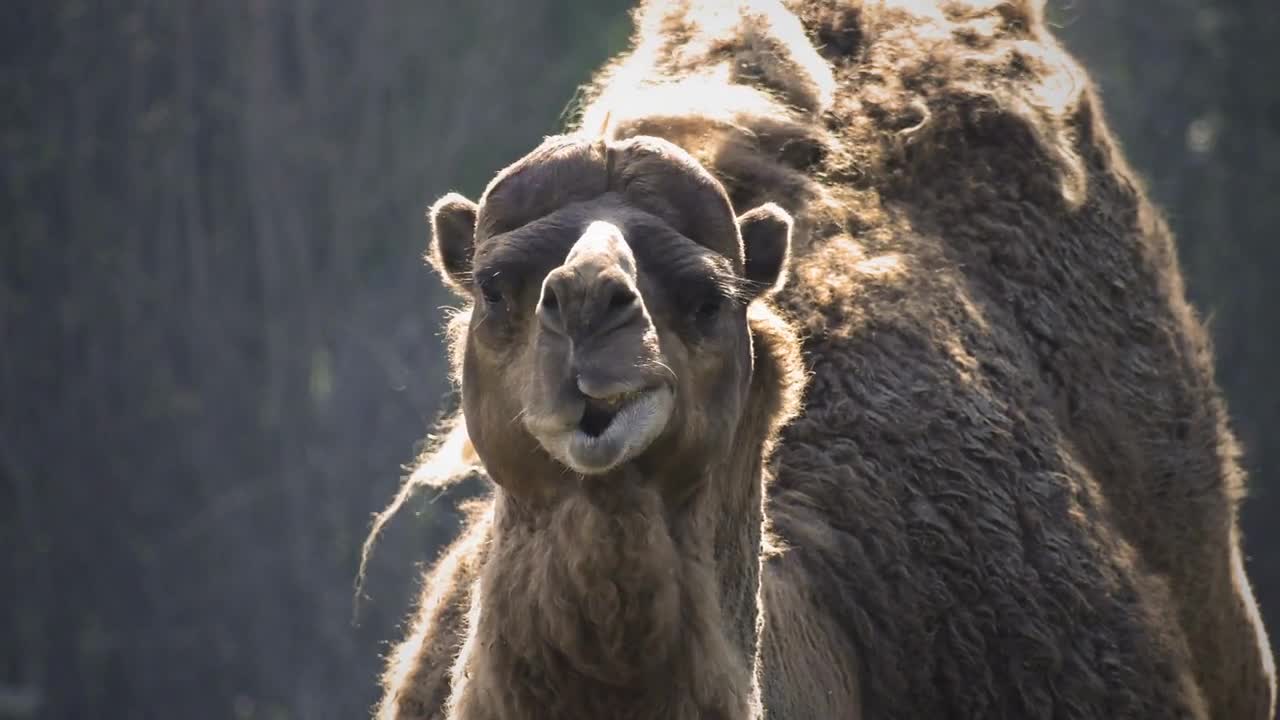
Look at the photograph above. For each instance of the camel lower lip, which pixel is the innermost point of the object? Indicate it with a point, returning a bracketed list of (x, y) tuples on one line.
[(638, 422)]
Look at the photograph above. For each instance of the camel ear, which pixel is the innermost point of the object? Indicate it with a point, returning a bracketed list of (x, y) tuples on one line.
[(766, 242), (453, 232)]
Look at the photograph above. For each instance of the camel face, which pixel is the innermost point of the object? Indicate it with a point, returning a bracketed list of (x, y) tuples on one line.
[(603, 391), (608, 329)]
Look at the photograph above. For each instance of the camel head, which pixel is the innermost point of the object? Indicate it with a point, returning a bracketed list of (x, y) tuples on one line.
[(609, 285)]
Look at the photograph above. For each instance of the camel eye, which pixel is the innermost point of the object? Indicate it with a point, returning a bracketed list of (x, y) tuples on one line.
[(490, 290), (708, 309)]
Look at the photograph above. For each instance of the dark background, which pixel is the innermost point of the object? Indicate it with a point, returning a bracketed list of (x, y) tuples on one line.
[(218, 345)]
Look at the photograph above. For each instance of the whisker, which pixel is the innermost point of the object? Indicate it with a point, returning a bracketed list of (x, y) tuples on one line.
[(666, 367)]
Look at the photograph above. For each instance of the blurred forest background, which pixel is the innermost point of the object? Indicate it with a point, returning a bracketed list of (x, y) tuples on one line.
[(218, 345)]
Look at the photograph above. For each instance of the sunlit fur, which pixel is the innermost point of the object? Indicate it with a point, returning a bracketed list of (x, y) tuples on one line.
[(1011, 490)]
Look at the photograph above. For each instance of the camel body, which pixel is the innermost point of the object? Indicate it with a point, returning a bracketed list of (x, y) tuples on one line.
[(1009, 488)]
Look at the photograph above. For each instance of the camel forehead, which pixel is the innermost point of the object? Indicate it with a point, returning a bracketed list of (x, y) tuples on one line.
[(545, 243), (641, 173)]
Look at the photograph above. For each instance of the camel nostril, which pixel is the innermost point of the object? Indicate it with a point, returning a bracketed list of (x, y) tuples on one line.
[(550, 302), (622, 298)]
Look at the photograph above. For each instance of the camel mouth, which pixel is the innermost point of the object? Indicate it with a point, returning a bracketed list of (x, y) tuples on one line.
[(613, 430), (598, 413)]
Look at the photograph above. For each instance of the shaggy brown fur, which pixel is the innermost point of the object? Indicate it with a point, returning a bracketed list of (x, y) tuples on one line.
[(1011, 490)]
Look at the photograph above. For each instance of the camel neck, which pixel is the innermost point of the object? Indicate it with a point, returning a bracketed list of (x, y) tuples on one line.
[(609, 604)]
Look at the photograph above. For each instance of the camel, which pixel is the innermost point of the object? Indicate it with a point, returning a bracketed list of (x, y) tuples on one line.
[(834, 364)]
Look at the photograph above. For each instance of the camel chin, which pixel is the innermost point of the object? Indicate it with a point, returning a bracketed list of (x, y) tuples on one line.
[(636, 422)]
